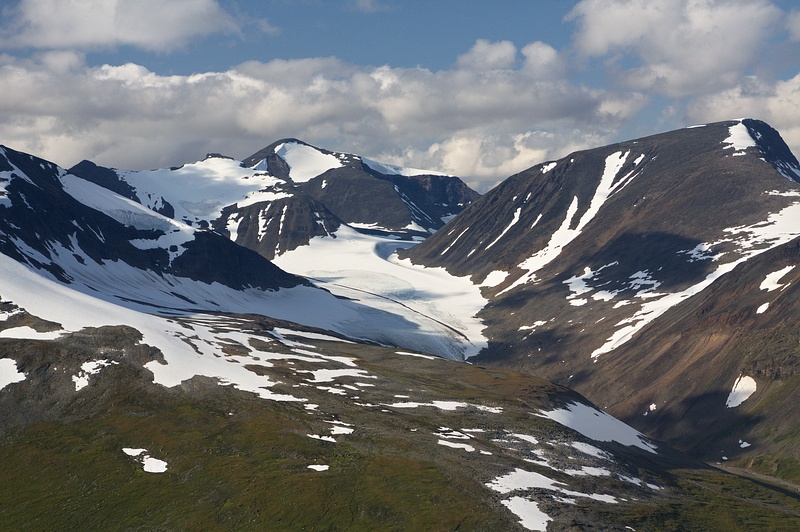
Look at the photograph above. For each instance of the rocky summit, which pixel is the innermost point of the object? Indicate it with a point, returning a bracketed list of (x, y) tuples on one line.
[(309, 339)]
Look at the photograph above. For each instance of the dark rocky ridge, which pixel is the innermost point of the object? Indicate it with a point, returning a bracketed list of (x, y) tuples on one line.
[(688, 190), (42, 214)]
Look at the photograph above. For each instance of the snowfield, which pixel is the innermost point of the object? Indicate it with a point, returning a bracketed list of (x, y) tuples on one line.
[(365, 268)]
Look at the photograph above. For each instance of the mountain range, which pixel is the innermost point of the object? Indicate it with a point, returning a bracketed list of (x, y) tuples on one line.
[(280, 341)]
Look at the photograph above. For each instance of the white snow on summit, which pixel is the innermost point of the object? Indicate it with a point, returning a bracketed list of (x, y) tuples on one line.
[(200, 190), (390, 169), (739, 139), (306, 162)]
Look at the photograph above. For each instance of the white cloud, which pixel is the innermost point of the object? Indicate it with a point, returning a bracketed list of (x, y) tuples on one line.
[(370, 6), (485, 55), (542, 61), (91, 24), (480, 124), (793, 25), (485, 160), (676, 47)]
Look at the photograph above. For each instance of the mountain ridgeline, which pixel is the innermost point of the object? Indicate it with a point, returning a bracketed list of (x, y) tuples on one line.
[(307, 192), (263, 342)]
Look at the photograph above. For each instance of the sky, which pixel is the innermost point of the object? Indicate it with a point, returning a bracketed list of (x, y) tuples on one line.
[(478, 89)]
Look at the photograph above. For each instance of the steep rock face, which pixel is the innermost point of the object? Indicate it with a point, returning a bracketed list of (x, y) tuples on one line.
[(596, 266), (47, 226), (368, 195)]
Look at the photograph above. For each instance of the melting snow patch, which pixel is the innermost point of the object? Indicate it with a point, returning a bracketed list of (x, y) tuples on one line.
[(771, 283), (9, 373), (588, 471), (92, 367), (530, 516), (597, 425), (323, 438), (743, 444), (149, 464), (494, 278), (738, 138), (743, 388), (328, 375), (340, 427), (591, 450), (465, 446), (28, 333), (317, 467), (762, 309), (520, 479)]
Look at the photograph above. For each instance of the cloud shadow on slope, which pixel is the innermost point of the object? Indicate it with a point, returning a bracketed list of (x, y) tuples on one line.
[(664, 257)]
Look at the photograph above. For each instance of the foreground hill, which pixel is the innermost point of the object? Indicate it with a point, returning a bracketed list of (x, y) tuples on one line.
[(622, 271), (331, 435)]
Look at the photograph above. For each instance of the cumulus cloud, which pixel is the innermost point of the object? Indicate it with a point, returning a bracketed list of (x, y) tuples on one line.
[(676, 47), (370, 6), (480, 124), (91, 24), (793, 24), (486, 55)]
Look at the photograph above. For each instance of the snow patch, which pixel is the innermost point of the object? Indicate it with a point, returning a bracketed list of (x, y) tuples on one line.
[(494, 278), (390, 169), (530, 516), (771, 283), (742, 389), (306, 162), (513, 222), (739, 139), (454, 445), (597, 425), (149, 464), (9, 373), (28, 333), (92, 367)]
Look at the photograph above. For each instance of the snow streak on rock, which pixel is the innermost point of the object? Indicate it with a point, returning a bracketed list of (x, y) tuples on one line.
[(749, 241), (565, 234)]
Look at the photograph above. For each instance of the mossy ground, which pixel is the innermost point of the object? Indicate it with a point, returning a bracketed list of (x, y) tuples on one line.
[(238, 462)]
